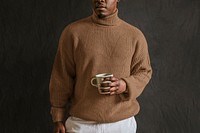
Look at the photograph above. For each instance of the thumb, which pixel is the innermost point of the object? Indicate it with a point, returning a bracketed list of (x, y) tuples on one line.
[(63, 130)]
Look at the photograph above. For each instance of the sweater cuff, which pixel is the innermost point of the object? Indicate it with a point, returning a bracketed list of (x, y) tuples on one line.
[(128, 94), (58, 114), (124, 96)]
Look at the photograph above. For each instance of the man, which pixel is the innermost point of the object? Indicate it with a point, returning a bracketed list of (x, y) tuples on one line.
[(98, 44)]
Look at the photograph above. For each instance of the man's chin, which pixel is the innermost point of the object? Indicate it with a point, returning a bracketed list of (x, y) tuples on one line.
[(101, 15)]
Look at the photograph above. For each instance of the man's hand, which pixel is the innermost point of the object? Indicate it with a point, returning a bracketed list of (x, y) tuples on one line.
[(59, 127), (117, 86)]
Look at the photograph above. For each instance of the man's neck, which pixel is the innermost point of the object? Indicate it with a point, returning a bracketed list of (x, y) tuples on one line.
[(110, 20)]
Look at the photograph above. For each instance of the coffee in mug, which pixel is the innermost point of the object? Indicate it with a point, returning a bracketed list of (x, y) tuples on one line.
[(98, 81)]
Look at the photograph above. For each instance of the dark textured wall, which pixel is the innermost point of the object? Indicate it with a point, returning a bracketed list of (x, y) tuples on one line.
[(29, 32)]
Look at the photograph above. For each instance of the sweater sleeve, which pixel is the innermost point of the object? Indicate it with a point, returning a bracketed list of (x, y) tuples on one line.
[(141, 70), (62, 76)]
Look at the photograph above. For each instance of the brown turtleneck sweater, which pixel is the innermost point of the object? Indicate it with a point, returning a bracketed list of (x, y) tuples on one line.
[(91, 46)]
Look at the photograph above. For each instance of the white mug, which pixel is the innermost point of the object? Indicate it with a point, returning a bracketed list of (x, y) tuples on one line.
[(99, 80)]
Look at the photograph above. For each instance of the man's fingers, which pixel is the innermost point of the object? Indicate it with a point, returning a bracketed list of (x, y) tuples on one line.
[(116, 83), (114, 89), (60, 131), (59, 127), (113, 79)]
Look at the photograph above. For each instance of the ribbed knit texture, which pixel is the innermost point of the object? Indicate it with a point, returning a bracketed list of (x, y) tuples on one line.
[(91, 46)]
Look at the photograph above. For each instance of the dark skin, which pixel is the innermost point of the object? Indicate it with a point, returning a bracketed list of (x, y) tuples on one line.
[(59, 127), (117, 86), (102, 8)]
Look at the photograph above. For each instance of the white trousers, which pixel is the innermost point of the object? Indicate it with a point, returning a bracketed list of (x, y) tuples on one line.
[(77, 125)]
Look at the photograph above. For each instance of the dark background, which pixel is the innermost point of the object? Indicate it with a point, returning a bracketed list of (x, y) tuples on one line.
[(29, 33)]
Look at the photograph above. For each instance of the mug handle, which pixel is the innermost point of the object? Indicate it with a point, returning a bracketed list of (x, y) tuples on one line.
[(92, 82)]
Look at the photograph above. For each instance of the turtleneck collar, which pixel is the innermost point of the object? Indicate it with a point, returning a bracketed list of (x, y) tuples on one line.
[(111, 20)]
